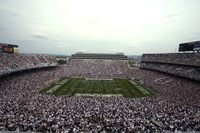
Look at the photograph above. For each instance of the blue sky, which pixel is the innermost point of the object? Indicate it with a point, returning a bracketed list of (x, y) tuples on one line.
[(103, 26)]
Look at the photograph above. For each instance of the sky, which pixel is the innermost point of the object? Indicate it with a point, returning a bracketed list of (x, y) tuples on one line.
[(133, 27)]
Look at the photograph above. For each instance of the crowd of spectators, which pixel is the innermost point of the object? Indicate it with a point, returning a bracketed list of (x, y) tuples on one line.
[(191, 59), (178, 90), (23, 108), (17, 62), (178, 70), (98, 68), (180, 64)]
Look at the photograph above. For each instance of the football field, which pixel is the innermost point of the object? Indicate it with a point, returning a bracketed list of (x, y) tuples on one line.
[(92, 87)]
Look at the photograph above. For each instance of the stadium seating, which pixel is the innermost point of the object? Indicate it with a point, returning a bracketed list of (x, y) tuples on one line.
[(24, 109), (98, 68), (17, 62), (186, 65), (190, 59)]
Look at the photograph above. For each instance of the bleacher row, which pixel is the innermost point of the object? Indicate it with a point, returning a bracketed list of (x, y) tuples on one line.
[(186, 65), (190, 59), (98, 68), (17, 62)]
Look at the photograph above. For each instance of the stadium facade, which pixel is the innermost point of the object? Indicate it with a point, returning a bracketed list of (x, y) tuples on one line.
[(117, 56)]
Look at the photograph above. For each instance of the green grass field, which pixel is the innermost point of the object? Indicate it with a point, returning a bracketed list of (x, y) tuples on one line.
[(80, 86)]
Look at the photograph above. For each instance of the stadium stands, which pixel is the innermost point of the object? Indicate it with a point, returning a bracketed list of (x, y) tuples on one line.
[(24, 109), (17, 62), (186, 65), (98, 68), (190, 59), (98, 65)]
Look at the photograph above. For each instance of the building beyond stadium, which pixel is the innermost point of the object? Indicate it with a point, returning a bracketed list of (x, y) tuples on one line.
[(117, 56)]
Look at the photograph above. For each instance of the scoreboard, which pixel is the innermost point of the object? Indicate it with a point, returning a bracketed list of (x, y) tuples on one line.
[(8, 48), (190, 46)]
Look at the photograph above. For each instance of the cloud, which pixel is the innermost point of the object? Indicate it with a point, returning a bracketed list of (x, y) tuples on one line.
[(193, 36), (2, 28), (39, 36), (195, 33), (8, 12), (68, 26), (171, 15), (62, 46), (82, 50)]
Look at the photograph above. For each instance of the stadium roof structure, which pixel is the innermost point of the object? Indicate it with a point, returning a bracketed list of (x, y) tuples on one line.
[(8, 44), (117, 56)]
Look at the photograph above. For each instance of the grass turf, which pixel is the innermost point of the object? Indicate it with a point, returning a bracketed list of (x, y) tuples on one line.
[(73, 86)]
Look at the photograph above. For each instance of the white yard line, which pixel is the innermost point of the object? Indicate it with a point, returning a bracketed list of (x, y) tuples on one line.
[(96, 79), (100, 95)]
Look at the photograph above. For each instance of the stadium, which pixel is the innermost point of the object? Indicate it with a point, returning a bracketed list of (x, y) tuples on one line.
[(99, 66), (99, 93)]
